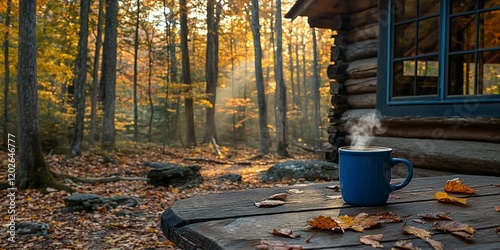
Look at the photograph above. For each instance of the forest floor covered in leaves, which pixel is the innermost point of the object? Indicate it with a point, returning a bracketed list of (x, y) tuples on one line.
[(126, 227)]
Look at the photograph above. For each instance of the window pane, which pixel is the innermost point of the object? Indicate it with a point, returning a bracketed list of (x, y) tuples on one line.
[(428, 35), (461, 74), (427, 75), (403, 80), (463, 33), (427, 7), (489, 73), (404, 37), (491, 3), (459, 6), (405, 9), (488, 25)]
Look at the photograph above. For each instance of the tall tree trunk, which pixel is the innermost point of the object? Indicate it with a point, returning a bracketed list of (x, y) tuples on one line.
[(150, 76), (95, 77), (81, 80), (33, 171), (108, 76), (291, 67), (259, 81), (305, 118), (316, 90), (233, 89), (211, 67), (281, 109), (7, 75), (136, 52), (186, 77), (299, 90)]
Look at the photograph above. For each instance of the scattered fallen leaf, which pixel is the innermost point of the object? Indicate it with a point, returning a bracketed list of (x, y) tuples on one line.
[(269, 203), (434, 243), (497, 209), (325, 223), (424, 235), (387, 217), (498, 230), (444, 197), (294, 191), (279, 196), (456, 186), (286, 232), (275, 244), (359, 223), (464, 235), (405, 244), (372, 240), (420, 233), (439, 215), (453, 226), (335, 188)]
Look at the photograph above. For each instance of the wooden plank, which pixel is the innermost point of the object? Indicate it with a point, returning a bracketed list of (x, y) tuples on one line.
[(358, 34), (363, 68), (356, 6), (246, 232), (313, 197), (364, 17), (361, 86), (447, 155), (362, 50), (362, 101), (337, 53)]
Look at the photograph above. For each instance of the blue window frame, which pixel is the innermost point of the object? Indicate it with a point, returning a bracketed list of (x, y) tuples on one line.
[(439, 58)]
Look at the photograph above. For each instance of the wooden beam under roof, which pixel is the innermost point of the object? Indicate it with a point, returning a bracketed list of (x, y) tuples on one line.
[(317, 9)]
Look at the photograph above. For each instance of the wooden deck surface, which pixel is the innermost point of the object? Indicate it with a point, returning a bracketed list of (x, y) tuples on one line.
[(231, 220)]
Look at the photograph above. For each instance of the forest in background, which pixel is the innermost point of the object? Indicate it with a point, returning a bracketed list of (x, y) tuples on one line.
[(148, 60)]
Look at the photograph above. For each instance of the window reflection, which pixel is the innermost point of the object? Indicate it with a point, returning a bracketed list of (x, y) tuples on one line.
[(428, 36), (462, 71), (489, 73), (463, 33), (488, 26)]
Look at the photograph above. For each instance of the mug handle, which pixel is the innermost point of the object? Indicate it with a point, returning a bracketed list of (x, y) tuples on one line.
[(408, 164)]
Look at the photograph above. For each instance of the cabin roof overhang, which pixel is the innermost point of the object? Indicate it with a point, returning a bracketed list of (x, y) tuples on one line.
[(321, 13)]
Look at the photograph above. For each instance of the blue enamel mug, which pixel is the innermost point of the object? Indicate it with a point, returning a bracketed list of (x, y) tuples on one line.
[(365, 174)]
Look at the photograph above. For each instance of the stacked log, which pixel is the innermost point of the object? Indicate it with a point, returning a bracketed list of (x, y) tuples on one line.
[(353, 68)]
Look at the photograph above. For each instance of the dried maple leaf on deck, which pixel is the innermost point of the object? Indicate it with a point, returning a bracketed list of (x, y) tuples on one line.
[(420, 233), (359, 223), (387, 217), (286, 232), (372, 240), (325, 223), (279, 196), (405, 244), (444, 197), (497, 209), (456, 186), (439, 215), (424, 235), (453, 226)]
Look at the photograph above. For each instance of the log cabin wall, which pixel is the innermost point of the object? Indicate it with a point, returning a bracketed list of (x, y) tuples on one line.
[(464, 144), (353, 68)]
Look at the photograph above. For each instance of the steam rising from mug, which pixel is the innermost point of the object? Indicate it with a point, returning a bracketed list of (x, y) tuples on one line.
[(362, 131)]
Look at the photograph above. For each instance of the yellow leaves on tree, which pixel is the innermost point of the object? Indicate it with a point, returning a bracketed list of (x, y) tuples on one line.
[(456, 186)]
